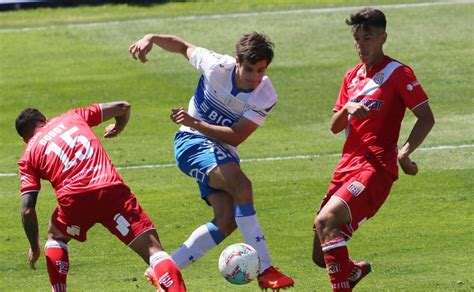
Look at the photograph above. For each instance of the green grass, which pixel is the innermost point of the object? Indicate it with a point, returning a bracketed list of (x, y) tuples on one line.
[(132, 11), (421, 240)]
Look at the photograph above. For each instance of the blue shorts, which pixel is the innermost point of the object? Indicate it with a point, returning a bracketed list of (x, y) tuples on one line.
[(197, 155)]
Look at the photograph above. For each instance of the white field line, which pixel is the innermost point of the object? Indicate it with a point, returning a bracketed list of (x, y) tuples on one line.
[(277, 158), (232, 15)]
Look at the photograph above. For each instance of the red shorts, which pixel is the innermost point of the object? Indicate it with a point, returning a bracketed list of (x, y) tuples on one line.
[(363, 191), (115, 207)]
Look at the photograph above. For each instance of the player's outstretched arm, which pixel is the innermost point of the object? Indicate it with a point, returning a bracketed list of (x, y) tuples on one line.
[(120, 110), (234, 136), (425, 121), (30, 225), (170, 43)]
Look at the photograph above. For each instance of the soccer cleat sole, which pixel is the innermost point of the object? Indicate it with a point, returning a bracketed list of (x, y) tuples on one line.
[(278, 289)]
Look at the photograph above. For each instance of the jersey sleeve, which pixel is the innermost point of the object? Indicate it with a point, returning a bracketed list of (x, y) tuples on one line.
[(91, 114), (409, 88), (342, 98), (262, 102), (203, 59), (29, 179)]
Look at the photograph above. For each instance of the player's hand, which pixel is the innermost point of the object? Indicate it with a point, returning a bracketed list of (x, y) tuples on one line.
[(357, 110), (141, 48), (33, 256), (408, 166), (181, 117), (111, 131)]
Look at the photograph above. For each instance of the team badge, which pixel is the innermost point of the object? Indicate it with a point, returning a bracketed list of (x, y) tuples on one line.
[(333, 268), (63, 267), (378, 78), (412, 85), (356, 188)]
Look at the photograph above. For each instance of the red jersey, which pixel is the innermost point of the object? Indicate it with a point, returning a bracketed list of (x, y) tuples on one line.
[(387, 89), (67, 153)]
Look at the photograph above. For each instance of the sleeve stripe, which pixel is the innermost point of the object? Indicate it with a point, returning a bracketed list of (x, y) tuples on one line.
[(425, 101), (29, 191), (260, 113), (101, 113)]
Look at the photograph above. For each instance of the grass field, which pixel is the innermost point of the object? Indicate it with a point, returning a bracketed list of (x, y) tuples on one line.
[(421, 240)]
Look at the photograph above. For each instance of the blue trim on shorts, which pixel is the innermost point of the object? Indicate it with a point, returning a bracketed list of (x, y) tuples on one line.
[(215, 233), (196, 155), (244, 210)]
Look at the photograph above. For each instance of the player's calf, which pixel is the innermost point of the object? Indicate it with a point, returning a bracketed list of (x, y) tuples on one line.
[(57, 262), (164, 273)]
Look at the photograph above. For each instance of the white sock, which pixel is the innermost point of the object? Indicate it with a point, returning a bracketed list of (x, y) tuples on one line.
[(157, 257), (249, 227), (201, 240)]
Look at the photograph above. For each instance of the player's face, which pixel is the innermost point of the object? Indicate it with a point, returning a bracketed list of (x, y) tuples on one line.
[(249, 75), (369, 44)]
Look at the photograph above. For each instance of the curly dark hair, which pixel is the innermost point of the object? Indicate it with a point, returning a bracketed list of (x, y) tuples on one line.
[(254, 47), (27, 120), (367, 18)]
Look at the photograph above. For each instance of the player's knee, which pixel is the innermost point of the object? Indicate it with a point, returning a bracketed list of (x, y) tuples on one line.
[(324, 223), (227, 225), (242, 188)]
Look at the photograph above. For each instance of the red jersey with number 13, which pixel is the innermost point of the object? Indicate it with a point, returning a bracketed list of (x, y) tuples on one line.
[(67, 153), (387, 89)]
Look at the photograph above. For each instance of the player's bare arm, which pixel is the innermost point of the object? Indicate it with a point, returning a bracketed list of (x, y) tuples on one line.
[(339, 119), (425, 121), (120, 110), (230, 135), (30, 225), (170, 43)]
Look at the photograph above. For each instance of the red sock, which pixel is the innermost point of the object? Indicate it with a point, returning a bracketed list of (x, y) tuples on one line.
[(167, 273), (57, 261), (351, 265), (338, 264)]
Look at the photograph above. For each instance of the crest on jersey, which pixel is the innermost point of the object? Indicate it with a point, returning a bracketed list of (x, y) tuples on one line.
[(412, 85), (356, 188), (378, 77)]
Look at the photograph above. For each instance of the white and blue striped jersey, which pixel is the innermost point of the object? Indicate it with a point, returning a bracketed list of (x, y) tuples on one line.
[(218, 101)]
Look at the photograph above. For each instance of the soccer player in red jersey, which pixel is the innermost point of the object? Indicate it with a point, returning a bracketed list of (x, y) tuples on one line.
[(65, 151), (370, 107)]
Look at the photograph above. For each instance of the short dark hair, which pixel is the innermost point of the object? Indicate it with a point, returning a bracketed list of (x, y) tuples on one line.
[(366, 18), (27, 120), (254, 47)]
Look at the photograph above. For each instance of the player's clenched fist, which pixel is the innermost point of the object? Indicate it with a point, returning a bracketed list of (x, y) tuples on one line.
[(180, 116), (141, 48), (357, 110), (408, 166)]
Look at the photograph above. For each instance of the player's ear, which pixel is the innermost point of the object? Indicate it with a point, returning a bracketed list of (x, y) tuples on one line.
[(384, 37)]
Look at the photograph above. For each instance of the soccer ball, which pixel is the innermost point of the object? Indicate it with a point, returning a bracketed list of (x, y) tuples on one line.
[(239, 263)]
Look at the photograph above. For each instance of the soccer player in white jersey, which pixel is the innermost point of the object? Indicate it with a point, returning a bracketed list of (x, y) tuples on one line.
[(371, 104), (232, 99)]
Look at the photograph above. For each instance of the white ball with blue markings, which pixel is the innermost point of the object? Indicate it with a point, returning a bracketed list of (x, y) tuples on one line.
[(239, 263)]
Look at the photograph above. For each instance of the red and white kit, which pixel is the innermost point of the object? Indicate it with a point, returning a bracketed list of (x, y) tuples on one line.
[(368, 166), (88, 187)]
